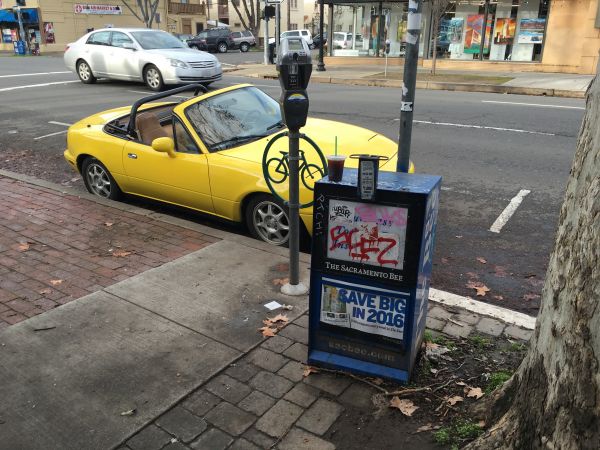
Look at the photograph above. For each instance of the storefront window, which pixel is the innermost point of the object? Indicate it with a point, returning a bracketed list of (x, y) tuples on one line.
[(514, 31)]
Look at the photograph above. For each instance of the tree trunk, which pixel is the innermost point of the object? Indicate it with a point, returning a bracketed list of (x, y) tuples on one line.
[(434, 54), (553, 401)]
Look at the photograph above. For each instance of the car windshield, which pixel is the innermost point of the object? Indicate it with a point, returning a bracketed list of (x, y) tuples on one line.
[(234, 117), (150, 40)]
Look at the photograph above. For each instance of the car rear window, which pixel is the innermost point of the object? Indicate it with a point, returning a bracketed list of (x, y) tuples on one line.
[(246, 33), (99, 38), (236, 34), (304, 33)]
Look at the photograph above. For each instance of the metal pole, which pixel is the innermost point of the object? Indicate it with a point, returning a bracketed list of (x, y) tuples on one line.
[(277, 26), (354, 28), (379, 30), (21, 29), (410, 83), (330, 31), (266, 38), (294, 243), (484, 29), (321, 64)]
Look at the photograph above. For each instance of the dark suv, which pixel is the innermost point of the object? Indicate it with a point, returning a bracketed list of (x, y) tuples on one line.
[(213, 40)]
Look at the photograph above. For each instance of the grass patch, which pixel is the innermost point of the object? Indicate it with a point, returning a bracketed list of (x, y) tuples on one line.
[(427, 336), (460, 431), (517, 347), (497, 379), (479, 341)]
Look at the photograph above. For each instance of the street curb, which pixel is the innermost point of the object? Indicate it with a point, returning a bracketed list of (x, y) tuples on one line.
[(435, 295), (436, 85)]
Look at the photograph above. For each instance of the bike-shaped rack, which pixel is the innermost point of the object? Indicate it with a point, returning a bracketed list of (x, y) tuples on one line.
[(309, 173)]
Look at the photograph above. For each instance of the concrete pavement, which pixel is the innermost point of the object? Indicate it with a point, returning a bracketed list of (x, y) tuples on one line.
[(171, 357)]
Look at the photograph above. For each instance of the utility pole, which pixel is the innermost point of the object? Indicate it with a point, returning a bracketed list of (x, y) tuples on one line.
[(410, 83), (321, 64), (277, 26), (266, 35)]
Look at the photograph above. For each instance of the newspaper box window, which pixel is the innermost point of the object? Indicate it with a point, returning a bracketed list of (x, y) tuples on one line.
[(370, 271)]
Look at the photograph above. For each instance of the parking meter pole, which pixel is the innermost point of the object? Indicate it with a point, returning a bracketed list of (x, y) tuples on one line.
[(294, 211), (410, 82), (277, 26), (266, 38)]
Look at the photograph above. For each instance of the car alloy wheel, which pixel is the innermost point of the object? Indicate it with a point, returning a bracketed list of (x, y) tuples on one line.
[(153, 78), (85, 73), (222, 47), (270, 222), (98, 179), (244, 47)]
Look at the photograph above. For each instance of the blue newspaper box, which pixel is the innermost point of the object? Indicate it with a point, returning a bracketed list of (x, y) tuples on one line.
[(370, 271)]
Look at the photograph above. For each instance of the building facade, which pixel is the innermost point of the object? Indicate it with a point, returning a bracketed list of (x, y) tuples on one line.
[(520, 35), (55, 23)]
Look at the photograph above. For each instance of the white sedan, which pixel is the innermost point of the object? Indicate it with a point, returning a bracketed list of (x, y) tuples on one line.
[(138, 54)]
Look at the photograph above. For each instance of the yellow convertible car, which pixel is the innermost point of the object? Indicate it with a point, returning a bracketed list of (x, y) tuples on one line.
[(205, 153)]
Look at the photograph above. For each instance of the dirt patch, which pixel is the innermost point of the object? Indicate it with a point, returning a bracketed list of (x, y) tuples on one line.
[(450, 377)]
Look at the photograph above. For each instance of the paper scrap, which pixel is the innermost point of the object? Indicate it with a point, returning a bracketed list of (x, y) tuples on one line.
[(272, 305)]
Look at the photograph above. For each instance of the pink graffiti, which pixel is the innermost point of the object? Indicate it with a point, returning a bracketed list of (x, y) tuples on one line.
[(381, 215)]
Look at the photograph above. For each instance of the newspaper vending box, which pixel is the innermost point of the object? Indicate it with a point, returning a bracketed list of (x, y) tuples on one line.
[(370, 271)]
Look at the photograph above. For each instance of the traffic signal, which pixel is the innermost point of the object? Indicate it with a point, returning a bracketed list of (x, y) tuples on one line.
[(20, 2), (269, 12)]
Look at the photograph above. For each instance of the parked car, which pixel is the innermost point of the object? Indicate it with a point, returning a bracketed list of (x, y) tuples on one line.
[(213, 40), (343, 40), (317, 41), (139, 54), (183, 37), (243, 40), (304, 34), (205, 153)]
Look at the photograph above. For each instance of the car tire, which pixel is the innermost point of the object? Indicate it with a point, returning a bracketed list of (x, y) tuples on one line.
[(153, 78), (84, 72), (194, 47), (98, 180), (222, 47), (244, 47), (312, 46), (268, 220)]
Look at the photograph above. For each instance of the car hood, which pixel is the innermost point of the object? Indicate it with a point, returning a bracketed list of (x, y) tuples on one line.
[(183, 54), (350, 138)]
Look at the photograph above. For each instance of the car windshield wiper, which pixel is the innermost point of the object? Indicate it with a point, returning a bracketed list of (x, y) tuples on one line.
[(236, 140), (279, 124)]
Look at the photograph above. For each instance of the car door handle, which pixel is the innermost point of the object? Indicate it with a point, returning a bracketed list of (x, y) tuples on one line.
[(132, 155)]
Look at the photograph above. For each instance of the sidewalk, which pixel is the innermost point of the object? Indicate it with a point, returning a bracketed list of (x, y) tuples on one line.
[(526, 83), (167, 355)]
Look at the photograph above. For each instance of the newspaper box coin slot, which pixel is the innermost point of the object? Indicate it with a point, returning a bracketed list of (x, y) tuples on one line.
[(370, 271)]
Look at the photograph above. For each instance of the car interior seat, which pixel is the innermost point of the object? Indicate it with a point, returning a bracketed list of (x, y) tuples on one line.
[(149, 128)]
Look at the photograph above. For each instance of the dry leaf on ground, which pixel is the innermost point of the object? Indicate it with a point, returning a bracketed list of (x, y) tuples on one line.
[(461, 383), (472, 275), (130, 412), (445, 260), (280, 318), (530, 297), (377, 381), (56, 282), (121, 253), (308, 370), (268, 332), (474, 392), (498, 297), (108, 224), (481, 260), (500, 271), (280, 281), (23, 246), (479, 287), (405, 406), (46, 291), (427, 427), (454, 400)]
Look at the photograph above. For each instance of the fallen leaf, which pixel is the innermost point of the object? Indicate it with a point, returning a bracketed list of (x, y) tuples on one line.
[(474, 392), (268, 332), (23, 246), (479, 287), (481, 260), (377, 381), (472, 275), (498, 297), (121, 253), (308, 370), (481, 423), (500, 271), (129, 412), (46, 291), (280, 281), (108, 224), (405, 406), (55, 282), (454, 400), (427, 427), (288, 307), (461, 383), (530, 297), (280, 318)]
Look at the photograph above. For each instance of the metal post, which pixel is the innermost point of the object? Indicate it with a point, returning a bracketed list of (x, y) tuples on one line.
[(266, 38), (379, 30), (484, 29), (354, 28), (321, 64), (330, 31), (277, 26), (294, 156), (410, 83), (22, 35)]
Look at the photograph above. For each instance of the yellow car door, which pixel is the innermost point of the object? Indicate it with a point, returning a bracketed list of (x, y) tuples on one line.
[(180, 178)]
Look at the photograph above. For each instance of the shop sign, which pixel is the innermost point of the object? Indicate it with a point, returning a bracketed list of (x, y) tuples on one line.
[(86, 8), (532, 31), (6, 36)]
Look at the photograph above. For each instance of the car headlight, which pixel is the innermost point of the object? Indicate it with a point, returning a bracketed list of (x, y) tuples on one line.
[(177, 63)]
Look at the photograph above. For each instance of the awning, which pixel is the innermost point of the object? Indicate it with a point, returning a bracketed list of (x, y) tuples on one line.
[(7, 15), (29, 15)]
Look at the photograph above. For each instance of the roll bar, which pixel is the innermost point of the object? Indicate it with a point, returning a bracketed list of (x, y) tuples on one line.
[(134, 109)]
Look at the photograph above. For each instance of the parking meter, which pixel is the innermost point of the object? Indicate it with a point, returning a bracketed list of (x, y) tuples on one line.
[(294, 65), (387, 46)]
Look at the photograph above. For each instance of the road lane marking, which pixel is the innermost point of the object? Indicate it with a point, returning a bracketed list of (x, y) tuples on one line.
[(60, 123), (538, 105), (48, 135), (509, 211), (479, 127), (33, 74), (149, 93), (14, 88)]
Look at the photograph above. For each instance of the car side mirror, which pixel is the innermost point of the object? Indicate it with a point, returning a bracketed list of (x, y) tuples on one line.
[(130, 46), (164, 145)]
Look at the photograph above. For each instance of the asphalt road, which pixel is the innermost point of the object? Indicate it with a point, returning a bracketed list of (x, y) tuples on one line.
[(488, 148)]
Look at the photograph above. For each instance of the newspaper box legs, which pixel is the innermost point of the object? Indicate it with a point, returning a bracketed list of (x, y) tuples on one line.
[(370, 271)]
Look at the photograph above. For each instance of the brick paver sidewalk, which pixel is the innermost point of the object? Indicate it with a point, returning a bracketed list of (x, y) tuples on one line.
[(55, 248)]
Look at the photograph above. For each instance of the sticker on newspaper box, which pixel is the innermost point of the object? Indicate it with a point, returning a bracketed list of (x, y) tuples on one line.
[(363, 308), (367, 233)]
